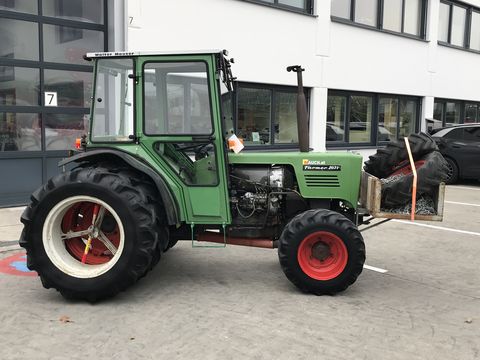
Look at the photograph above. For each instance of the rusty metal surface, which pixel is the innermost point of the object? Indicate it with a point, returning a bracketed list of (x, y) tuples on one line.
[(219, 239)]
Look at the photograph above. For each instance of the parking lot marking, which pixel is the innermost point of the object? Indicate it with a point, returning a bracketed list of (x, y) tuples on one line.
[(461, 203), (373, 268), (438, 227)]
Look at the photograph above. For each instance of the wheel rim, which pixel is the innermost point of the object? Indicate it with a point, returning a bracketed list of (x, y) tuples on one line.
[(322, 255), (405, 168), (66, 231)]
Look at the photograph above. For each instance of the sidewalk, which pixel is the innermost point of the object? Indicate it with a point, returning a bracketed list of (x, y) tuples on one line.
[(10, 228)]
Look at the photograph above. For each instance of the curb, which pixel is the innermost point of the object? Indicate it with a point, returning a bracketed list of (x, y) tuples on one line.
[(9, 246)]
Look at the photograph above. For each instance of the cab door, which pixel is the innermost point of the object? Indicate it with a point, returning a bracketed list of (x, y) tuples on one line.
[(180, 125)]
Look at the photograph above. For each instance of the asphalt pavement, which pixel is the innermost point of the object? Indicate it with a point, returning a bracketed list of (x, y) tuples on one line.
[(419, 299)]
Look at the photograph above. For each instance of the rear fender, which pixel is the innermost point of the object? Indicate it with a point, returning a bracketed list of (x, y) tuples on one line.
[(169, 201)]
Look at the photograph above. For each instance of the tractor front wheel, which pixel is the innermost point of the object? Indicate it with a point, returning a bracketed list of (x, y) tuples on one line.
[(321, 252)]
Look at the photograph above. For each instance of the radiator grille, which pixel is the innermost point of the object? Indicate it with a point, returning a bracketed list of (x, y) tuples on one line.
[(328, 181)]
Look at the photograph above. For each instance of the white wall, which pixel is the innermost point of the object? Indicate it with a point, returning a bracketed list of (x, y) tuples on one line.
[(265, 40)]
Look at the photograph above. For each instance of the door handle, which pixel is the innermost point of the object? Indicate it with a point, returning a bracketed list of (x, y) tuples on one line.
[(205, 138)]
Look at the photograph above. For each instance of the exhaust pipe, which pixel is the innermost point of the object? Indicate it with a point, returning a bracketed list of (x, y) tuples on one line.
[(302, 116)]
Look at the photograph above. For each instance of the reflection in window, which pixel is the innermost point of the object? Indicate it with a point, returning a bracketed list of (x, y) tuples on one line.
[(80, 10), (61, 46), (459, 21), (408, 117), (26, 6), (413, 17), (443, 24), (18, 39), (360, 123), (177, 99), (254, 115), (20, 132), (341, 8), (392, 15), (459, 25), (286, 118), (113, 107), (266, 115), (396, 116), (336, 113), (387, 119), (452, 113), (19, 86), (471, 113), (73, 88), (402, 16), (61, 130), (475, 31), (366, 12)]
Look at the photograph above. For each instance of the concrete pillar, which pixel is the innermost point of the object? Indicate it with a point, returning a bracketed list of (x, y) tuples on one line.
[(427, 112), (318, 118)]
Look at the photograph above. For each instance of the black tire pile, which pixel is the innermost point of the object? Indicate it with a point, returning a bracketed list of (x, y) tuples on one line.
[(397, 190)]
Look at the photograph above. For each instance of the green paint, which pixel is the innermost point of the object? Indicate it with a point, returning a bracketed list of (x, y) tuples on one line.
[(209, 204)]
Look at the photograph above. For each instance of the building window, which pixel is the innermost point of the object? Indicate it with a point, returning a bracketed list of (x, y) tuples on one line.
[(44, 53), (399, 16), (459, 25), (369, 119), (266, 115), (448, 112), (305, 6)]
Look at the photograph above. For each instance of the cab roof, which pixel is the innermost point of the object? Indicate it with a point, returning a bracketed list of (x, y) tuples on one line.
[(92, 55)]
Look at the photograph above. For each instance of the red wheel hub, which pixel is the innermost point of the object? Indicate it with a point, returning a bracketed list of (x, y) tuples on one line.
[(78, 218), (322, 255)]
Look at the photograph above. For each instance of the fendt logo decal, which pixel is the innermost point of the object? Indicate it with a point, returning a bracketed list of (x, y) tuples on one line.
[(317, 165)]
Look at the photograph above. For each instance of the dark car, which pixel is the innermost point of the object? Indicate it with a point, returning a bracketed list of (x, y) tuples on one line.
[(460, 146)]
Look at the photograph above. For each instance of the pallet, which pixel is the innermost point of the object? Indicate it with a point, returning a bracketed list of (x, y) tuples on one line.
[(371, 197)]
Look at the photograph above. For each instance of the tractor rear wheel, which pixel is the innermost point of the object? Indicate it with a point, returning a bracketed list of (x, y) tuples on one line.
[(321, 252), (91, 233)]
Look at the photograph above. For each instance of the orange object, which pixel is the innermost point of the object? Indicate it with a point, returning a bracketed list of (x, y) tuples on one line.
[(87, 249), (414, 187), (231, 143), (88, 245), (78, 143)]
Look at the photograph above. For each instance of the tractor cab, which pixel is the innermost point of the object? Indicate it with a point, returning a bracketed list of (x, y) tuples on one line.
[(170, 110)]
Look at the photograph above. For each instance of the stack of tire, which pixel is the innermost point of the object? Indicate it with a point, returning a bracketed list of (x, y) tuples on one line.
[(392, 165)]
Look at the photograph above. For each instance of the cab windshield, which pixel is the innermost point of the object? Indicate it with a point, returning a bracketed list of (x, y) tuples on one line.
[(112, 114)]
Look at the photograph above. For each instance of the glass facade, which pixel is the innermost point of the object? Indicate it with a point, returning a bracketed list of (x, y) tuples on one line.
[(266, 115), (449, 112), (399, 16), (459, 25), (45, 85), (366, 119)]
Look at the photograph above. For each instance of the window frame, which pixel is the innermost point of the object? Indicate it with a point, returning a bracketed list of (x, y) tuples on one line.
[(375, 117), (39, 19), (210, 92), (274, 89), (307, 10), (468, 25), (463, 104), (379, 26)]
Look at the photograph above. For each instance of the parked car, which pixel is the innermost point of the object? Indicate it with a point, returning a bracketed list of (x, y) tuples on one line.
[(460, 146)]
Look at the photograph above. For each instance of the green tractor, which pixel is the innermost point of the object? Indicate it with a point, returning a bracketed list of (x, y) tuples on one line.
[(156, 168)]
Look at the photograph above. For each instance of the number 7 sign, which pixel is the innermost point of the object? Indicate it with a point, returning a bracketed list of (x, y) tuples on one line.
[(50, 98)]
